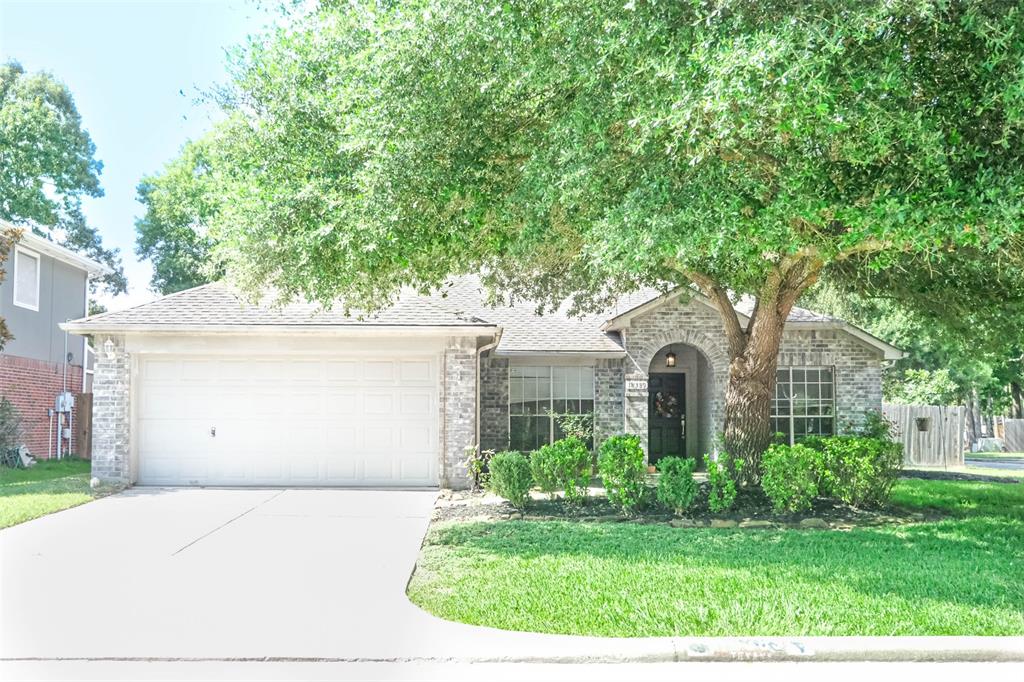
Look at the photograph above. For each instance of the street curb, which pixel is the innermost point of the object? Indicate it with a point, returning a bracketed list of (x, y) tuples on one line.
[(668, 650)]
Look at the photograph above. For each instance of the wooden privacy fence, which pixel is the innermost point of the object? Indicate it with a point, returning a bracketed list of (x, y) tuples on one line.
[(932, 435), (1013, 430)]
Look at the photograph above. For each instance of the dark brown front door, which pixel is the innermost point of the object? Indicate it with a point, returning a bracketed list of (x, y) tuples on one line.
[(666, 416)]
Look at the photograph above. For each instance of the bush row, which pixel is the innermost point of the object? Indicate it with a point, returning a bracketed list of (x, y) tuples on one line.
[(859, 470)]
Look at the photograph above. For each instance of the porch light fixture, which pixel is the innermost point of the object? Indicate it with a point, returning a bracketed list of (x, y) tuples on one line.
[(108, 349), (670, 359)]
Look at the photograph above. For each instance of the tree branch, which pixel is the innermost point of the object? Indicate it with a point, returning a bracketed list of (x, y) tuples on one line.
[(734, 331)]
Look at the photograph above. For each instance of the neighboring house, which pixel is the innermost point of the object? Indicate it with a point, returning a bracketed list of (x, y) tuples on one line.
[(200, 388), (44, 285)]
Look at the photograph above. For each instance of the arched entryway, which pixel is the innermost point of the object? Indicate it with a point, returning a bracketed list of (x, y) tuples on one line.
[(679, 392)]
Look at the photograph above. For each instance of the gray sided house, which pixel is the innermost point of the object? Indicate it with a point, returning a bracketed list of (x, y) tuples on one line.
[(44, 285), (202, 388)]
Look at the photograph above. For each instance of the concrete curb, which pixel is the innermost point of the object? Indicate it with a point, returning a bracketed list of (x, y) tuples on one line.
[(667, 650)]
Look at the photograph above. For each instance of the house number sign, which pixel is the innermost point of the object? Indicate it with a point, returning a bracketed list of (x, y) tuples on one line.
[(636, 385)]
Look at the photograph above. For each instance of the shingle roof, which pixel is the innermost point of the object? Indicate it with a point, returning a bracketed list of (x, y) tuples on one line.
[(461, 303), (217, 305)]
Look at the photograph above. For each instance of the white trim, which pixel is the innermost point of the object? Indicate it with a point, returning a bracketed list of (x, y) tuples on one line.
[(366, 330), (21, 250), (63, 254), (581, 354)]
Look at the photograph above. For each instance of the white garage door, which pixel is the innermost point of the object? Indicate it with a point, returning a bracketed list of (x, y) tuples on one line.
[(289, 421)]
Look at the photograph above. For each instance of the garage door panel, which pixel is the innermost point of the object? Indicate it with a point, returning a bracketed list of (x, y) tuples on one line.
[(288, 421)]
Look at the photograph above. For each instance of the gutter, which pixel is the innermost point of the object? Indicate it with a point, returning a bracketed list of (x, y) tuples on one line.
[(281, 329), (479, 354)]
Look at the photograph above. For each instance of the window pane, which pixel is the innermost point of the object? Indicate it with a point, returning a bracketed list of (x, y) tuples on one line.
[(25, 285), (528, 433)]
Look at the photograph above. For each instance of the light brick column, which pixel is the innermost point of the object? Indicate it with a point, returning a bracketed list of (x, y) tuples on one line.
[(459, 410), (111, 428)]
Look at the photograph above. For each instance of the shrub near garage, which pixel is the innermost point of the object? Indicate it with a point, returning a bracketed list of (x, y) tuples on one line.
[(622, 469), (510, 477), (563, 465), (677, 488), (858, 470), (789, 476)]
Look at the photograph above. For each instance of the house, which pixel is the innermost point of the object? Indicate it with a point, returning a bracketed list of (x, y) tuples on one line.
[(203, 388), (44, 285)]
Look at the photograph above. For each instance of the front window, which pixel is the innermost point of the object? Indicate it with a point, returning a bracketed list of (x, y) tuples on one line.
[(804, 403), (537, 392)]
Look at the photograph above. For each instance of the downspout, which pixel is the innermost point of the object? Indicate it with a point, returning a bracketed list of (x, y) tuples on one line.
[(479, 354)]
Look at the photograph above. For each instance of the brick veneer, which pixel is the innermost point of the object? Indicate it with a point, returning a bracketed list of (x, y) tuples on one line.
[(459, 410), (111, 383), (32, 386), (858, 373)]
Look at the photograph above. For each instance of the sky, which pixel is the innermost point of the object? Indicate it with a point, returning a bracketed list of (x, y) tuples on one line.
[(136, 70)]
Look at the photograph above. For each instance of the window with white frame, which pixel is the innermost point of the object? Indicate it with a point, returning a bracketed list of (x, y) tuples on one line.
[(537, 392), (804, 403), (26, 278)]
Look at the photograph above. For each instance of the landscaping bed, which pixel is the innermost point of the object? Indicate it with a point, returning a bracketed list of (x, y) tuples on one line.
[(752, 510)]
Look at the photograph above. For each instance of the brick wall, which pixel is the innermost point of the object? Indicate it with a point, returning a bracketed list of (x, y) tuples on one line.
[(493, 403), (111, 428), (32, 386), (459, 410)]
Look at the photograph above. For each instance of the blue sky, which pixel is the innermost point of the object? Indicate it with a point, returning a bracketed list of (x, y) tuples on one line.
[(127, 64)]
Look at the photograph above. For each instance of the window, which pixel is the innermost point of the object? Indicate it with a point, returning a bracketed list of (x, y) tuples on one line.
[(535, 392), (26, 278), (804, 403)]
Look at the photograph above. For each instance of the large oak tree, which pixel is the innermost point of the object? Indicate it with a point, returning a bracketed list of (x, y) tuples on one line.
[(576, 149)]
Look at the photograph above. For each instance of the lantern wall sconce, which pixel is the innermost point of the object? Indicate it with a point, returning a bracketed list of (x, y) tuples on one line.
[(670, 359), (109, 350)]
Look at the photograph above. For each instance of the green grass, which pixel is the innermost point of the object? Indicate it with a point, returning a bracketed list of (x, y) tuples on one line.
[(994, 455), (963, 575), (49, 486)]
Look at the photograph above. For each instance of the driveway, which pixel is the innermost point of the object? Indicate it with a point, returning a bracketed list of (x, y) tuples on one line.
[(222, 573)]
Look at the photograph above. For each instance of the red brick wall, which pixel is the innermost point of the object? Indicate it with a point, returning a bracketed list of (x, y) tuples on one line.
[(32, 386)]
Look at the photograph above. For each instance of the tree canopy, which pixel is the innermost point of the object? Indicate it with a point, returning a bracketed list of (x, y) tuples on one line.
[(48, 164), (577, 149), (173, 234)]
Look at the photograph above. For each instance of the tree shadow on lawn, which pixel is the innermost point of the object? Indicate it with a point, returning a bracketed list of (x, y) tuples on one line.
[(969, 561)]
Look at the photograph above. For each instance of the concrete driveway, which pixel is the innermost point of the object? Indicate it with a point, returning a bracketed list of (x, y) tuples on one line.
[(214, 573)]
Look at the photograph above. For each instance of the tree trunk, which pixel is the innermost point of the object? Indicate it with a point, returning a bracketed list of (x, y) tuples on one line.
[(1017, 395), (754, 356)]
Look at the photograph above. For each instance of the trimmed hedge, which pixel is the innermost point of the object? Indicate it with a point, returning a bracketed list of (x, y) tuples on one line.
[(510, 477), (622, 469), (563, 465), (677, 488), (789, 476), (856, 469)]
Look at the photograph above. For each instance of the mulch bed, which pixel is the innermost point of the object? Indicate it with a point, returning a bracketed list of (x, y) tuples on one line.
[(752, 510)]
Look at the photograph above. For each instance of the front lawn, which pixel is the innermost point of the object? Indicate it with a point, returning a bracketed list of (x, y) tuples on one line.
[(49, 486), (963, 575)]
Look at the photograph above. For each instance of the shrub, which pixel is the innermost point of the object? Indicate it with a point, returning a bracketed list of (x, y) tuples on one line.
[(858, 470), (10, 426), (789, 476), (676, 488), (622, 469), (579, 425), (563, 465), (477, 466), (722, 476), (510, 477)]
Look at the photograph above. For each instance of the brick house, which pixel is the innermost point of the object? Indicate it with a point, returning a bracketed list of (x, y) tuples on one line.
[(45, 285), (201, 387)]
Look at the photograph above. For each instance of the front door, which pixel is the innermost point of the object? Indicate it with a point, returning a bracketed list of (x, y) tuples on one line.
[(666, 416)]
